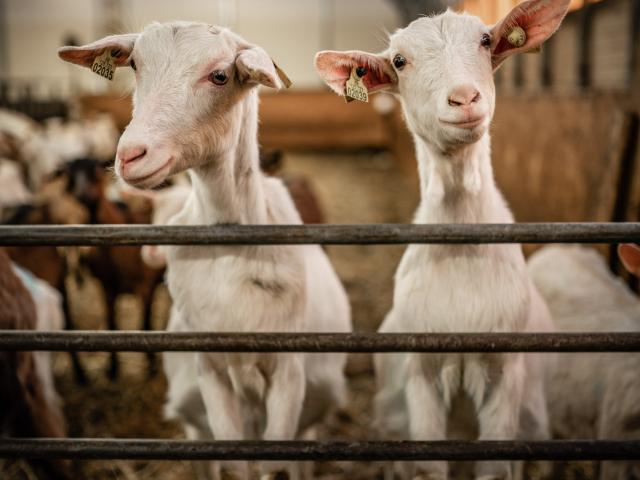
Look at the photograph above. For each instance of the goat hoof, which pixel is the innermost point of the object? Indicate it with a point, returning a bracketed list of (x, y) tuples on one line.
[(279, 475)]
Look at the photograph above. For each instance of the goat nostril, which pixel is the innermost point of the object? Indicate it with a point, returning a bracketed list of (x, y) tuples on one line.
[(463, 96)]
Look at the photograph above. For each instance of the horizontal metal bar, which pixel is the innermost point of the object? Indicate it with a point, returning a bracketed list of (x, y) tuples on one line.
[(318, 342), (320, 234), (88, 449)]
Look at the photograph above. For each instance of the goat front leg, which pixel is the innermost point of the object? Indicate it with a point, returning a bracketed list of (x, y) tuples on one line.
[(203, 470), (534, 417), (285, 397), (427, 413), (499, 410), (223, 407)]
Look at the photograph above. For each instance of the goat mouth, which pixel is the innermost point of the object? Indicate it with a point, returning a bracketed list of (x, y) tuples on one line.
[(145, 178), (466, 124)]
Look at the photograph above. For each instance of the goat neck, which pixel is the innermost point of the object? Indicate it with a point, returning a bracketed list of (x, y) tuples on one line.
[(457, 186), (227, 187)]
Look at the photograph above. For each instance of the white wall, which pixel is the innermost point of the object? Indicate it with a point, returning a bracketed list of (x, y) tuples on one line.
[(35, 29), (290, 30)]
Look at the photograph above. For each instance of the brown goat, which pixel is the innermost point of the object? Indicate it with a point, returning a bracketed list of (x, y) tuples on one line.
[(46, 263), (25, 408), (119, 269)]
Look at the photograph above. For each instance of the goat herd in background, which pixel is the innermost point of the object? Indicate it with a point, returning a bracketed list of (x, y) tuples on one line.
[(196, 110)]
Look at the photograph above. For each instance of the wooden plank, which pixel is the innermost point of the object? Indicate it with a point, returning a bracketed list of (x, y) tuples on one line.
[(610, 44), (612, 190), (585, 15), (319, 119), (632, 212)]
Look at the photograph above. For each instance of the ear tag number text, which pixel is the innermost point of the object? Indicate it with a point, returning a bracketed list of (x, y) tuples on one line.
[(355, 89), (104, 65), (516, 36)]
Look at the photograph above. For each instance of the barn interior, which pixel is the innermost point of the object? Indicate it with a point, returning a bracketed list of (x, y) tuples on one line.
[(564, 149)]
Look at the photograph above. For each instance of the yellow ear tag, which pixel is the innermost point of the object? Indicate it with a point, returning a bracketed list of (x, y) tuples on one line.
[(104, 65), (355, 89), (516, 36)]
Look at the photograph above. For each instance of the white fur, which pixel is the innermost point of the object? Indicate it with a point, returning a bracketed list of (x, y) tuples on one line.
[(458, 288), (49, 318), (13, 190), (17, 125), (45, 148), (166, 204), (591, 395), (181, 120), (447, 93)]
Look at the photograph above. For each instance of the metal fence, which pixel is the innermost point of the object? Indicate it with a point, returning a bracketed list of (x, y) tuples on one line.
[(83, 449)]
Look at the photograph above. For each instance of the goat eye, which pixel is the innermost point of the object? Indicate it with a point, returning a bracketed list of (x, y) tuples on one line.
[(485, 40), (219, 77), (399, 62), (133, 65)]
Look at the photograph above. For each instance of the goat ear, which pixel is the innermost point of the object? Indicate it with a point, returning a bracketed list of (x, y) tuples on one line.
[(335, 69), (538, 18), (255, 66), (120, 46), (630, 255)]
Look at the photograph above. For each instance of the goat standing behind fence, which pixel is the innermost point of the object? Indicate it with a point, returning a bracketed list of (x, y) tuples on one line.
[(29, 405), (210, 128), (441, 68)]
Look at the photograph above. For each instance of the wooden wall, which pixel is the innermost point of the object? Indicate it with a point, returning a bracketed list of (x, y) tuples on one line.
[(594, 48)]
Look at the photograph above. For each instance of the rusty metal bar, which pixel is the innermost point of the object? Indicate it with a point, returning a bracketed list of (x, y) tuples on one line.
[(318, 342), (130, 449), (319, 234)]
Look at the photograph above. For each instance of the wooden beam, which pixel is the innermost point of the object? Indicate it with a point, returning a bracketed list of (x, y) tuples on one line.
[(584, 45), (634, 50), (4, 40)]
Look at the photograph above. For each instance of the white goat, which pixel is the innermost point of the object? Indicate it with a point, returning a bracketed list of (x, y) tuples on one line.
[(49, 318), (196, 108), (43, 149), (30, 404), (166, 203), (591, 395), (184, 401), (17, 125), (441, 69), (101, 134), (13, 190)]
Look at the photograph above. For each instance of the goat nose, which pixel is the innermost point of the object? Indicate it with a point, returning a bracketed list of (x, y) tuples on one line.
[(463, 96), (131, 154)]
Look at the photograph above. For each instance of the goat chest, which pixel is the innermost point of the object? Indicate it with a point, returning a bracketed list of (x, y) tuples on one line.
[(231, 288), (461, 289)]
